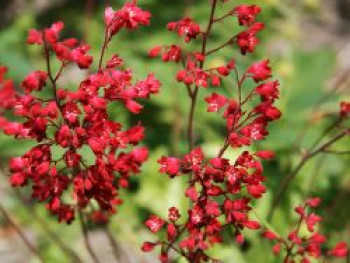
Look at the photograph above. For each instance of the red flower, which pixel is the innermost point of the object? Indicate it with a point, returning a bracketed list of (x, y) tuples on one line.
[(246, 14), (52, 34), (169, 165), (265, 154), (185, 27), (277, 249), (130, 16), (251, 224), (314, 202), (256, 190), (164, 258), (173, 53), (35, 81), (72, 159), (79, 56), (270, 235), (247, 40), (340, 250), (133, 106), (154, 223), (171, 231), (317, 238), (115, 61), (191, 193), (311, 220), (7, 94), (174, 214), (155, 51), (34, 37), (344, 108), (268, 90), (223, 71), (18, 179), (148, 246), (260, 71), (135, 134), (215, 102)]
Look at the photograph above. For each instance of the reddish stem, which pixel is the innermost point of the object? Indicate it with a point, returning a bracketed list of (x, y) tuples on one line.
[(201, 65), (104, 47), (235, 127), (227, 43), (223, 17), (51, 78), (290, 249)]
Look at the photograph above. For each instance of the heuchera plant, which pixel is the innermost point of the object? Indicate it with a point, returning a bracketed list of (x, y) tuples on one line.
[(75, 119), (220, 190)]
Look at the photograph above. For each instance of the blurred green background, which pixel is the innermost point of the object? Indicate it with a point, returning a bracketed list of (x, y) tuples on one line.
[(308, 44)]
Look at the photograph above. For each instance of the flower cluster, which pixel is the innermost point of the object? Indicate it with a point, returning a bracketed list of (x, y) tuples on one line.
[(304, 245), (216, 193), (130, 16), (185, 27), (67, 51), (220, 190), (70, 122)]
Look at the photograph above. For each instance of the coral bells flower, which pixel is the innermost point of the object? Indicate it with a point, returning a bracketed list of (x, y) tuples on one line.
[(193, 75), (72, 120), (265, 154), (344, 109), (269, 235), (260, 71), (268, 90), (115, 61), (216, 102), (130, 16), (34, 81), (171, 53), (34, 37), (185, 27), (246, 14), (148, 246), (169, 165), (211, 181), (174, 214), (7, 91), (247, 40), (154, 223), (314, 202), (340, 250)]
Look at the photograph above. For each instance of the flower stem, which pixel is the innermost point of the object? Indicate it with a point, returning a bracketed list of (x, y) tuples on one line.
[(201, 65)]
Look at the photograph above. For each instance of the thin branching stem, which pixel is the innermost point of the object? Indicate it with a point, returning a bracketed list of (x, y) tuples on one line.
[(201, 65), (305, 159)]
